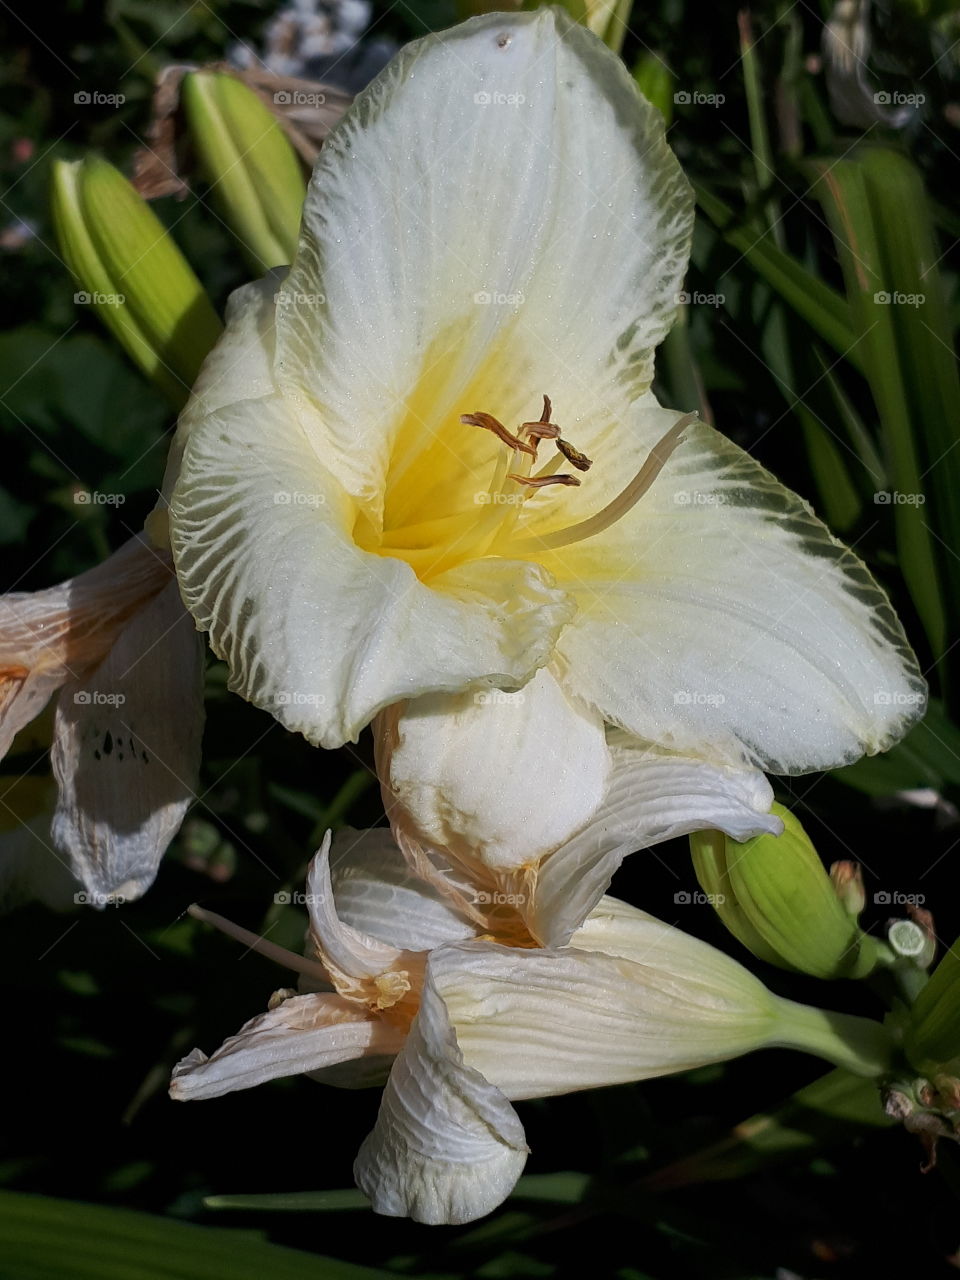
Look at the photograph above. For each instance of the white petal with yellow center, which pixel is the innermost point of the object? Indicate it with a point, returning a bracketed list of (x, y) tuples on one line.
[(720, 618)]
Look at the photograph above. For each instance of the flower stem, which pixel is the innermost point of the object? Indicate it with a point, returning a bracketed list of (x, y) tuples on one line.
[(858, 1044)]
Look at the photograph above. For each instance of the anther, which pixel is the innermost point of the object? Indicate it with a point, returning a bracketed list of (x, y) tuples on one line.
[(489, 423), (537, 482)]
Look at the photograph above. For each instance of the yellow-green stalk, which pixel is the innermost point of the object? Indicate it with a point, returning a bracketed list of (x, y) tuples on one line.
[(254, 175), (129, 270)]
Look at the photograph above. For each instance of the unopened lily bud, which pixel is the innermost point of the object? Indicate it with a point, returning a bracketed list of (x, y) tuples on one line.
[(709, 851), (847, 880), (252, 169), (932, 1042), (130, 271), (780, 894)]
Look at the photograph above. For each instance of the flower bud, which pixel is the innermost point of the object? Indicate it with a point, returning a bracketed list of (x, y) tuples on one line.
[(847, 881), (252, 169), (932, 1041), (131, 272), (780, 902)]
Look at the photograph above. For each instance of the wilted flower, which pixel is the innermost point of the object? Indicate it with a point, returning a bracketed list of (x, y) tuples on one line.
[(474, 1016), (384, 510)]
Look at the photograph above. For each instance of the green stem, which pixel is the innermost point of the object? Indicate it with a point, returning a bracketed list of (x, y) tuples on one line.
[(858, 1044)]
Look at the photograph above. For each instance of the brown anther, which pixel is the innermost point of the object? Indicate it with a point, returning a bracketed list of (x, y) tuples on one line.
[(538, 482), (490, 423), (574, 456), (541, 430), (547, 413)]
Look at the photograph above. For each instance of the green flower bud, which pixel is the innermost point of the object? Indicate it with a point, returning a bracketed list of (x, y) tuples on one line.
[(252, 168), (932, 1041), (129, 269), (774, 894)]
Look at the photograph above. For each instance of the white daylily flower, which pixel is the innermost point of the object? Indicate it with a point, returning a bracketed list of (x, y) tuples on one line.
[(499, 216), (114, 649), (472, 1025)]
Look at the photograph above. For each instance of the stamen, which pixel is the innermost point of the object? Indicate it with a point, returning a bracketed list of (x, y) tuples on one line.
[(615, 510), (489, 423), (574, 456), (537, 482), (280, 955)]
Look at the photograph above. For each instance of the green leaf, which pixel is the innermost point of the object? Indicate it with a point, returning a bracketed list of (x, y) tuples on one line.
[(822, 307), (883, 228), (929, 756), (831, 1110), (41, 1238)]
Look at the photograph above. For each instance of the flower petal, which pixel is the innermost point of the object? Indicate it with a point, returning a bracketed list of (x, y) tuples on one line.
[(239, 367), (315, 630), (47, 637), (721, 618), (433, 280), (499, 777), (651, 797), (536, 1023), (447, 1145), (126, 751), (301, 1034), (377, 893)]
